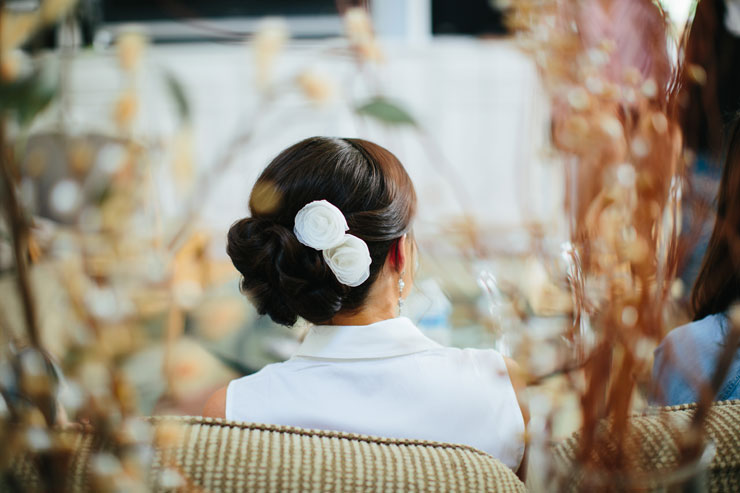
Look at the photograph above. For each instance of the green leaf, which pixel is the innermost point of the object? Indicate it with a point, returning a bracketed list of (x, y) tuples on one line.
[(386, 111), (177, 92), (27, 96)]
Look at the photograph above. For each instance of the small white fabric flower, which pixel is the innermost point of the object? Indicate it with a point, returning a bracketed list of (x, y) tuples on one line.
[(320, 225), (349, 260)]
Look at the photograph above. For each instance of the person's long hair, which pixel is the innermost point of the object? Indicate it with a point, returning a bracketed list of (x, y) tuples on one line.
[(718, 284), (709, 102)]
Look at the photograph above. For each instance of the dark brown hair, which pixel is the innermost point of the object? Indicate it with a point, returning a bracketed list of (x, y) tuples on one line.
[(286, 279), (709, 104), (718, 284)]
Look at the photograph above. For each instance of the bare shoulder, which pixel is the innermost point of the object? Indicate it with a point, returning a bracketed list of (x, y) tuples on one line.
[(216, 404), (515, 372), (519, 382)]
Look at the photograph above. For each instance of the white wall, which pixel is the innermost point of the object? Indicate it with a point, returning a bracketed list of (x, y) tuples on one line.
[(479, 103)]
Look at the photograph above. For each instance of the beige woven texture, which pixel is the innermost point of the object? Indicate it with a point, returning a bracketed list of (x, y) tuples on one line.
[(654, 438), (218, 455), (26, 473), (204, 454)]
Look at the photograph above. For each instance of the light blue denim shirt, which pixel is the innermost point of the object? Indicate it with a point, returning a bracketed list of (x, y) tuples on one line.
[(687, 358)]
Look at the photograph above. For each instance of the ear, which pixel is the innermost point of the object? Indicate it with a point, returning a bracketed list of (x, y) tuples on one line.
[(397, 254)]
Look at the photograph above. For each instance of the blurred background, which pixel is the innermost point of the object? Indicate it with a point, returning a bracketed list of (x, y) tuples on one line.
[(158, 116)]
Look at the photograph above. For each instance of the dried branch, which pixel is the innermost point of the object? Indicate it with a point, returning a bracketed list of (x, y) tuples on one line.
[(19, 229)]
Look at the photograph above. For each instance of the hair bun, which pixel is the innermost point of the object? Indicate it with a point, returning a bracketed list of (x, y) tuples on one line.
[(283, 278)]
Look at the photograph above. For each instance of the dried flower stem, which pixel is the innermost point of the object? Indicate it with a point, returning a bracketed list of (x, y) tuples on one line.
[(18, 225), (19, 232)]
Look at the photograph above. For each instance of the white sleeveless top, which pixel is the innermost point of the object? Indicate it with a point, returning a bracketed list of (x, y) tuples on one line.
[(387, 379)]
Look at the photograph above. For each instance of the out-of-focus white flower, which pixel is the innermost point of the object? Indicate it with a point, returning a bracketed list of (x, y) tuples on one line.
[(71, 396), (106, 304), (629, 95), (32, 363), (677, 289), (659, 121), (156, 269), (126, 109), (187, 293), (697, 73), (357, 24), (130, 47), (268, 42), (171, 479), (626, 175), (319, 87), (544, 359), (640, 147), (350, 261), (105, 464), (595, 84), (360, 34), (136, 430), (644, 348), (38, 439), (320, 225), (629, 316), (35, 380), (578, 99), (650, 88), (611, 126), (598, 57), (65, 197), (110, 158)]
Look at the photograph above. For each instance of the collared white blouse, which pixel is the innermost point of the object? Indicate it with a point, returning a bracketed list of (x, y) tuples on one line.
[(387, 379)]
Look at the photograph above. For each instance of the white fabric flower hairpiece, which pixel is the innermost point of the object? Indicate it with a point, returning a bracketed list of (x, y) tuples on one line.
[(322, 226)]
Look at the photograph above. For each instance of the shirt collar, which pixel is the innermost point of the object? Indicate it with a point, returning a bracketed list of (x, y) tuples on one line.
[(387, 338)]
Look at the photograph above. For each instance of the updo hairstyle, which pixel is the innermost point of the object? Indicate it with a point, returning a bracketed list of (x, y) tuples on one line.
[(286, 279)]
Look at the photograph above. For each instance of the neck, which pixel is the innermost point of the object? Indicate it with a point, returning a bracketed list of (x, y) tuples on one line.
[(362, 318), (381, 304)]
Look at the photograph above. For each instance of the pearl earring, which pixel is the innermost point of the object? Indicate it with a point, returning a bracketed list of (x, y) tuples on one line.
[(401, 285)]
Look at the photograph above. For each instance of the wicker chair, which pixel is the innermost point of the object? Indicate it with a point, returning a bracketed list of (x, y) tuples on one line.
[(655, 435), (205, 454)]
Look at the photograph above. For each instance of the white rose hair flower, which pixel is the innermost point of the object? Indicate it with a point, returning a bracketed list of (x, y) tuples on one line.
[(349, 261), (322, 226)]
